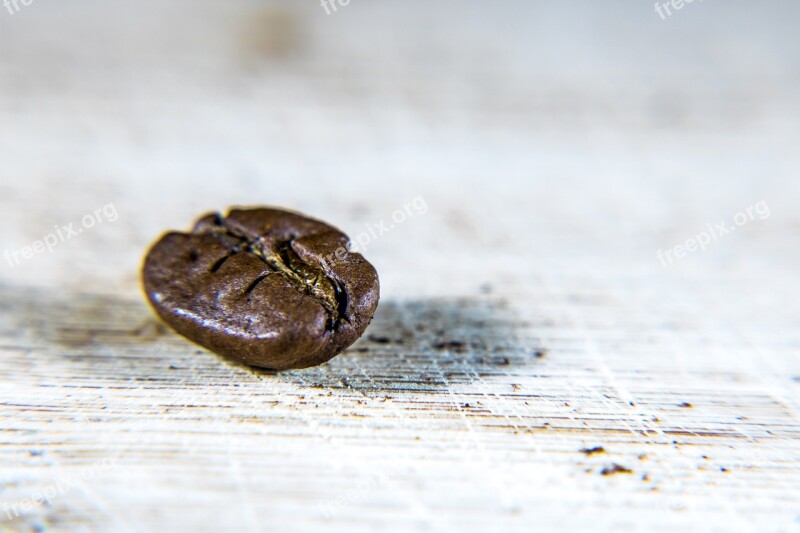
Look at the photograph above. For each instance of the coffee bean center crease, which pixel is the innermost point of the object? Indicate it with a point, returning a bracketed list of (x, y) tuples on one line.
[(284, 261)]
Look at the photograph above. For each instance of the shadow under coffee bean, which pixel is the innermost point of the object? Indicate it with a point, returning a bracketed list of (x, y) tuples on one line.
[(263, 286)]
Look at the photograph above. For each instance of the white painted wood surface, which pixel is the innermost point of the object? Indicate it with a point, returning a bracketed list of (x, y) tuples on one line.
[(525, 315)]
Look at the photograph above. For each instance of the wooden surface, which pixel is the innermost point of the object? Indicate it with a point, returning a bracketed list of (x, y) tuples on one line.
[(525, 315)]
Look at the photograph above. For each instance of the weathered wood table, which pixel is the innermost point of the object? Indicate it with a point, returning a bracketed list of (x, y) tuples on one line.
[(585, 221)]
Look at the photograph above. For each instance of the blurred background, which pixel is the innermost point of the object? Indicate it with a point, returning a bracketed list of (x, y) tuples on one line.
[(604, 131), (543, 154)]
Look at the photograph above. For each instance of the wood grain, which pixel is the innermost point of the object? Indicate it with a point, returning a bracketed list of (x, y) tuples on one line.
[(532, 365)]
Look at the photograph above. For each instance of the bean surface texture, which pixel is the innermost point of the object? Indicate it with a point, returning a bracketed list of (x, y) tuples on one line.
[(264, 286)]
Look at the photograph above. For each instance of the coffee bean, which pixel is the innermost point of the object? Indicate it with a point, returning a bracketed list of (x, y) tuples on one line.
[(263, 286)]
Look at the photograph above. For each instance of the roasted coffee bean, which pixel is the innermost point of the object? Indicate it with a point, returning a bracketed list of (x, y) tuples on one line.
[(263, 286)]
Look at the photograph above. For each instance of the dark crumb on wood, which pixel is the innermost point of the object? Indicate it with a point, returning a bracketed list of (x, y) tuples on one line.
[(592, 451), (379, 340), (466, 406), (723, 469), (615, 469), (704, 457), (642, 456), (362, 350), (686, 405), (452, 345), (495, 361), (538, 354), (174, 367), (645, 477)]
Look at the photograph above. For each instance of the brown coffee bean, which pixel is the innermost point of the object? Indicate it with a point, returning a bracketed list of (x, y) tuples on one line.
[(263, 286)]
